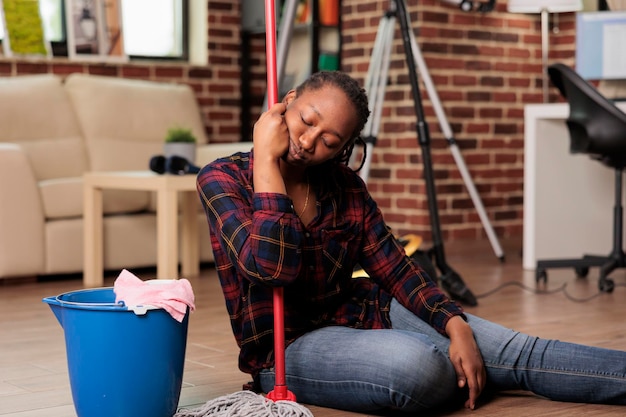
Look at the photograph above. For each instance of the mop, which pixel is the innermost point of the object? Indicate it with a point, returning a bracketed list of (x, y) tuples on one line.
[(280, 402)]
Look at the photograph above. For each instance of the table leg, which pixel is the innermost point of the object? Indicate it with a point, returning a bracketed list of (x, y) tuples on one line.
[(167, 234), (190, 250), (93, 273)]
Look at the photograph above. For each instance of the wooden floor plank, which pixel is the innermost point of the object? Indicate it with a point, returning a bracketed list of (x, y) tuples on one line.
[(34, 380)]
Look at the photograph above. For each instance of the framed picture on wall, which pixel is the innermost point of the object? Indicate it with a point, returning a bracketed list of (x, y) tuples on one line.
[(23, 29), (94, 30)]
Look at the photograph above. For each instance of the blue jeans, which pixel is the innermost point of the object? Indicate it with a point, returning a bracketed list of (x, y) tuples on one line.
[(407, 368)]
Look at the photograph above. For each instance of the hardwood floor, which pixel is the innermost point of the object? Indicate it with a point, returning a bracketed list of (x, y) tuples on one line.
[(34, 380)]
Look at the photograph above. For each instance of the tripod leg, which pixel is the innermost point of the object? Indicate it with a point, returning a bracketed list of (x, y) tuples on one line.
[(450, 280), (375, 85), (447, 131)]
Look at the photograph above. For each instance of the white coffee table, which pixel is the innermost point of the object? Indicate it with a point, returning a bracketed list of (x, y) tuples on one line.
[(167, 188)]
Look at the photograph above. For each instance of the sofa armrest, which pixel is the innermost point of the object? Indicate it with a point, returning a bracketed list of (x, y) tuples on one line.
[(212, 151), (21, 215)]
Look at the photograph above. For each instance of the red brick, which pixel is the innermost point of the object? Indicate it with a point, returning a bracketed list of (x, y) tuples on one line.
[(485, 68)]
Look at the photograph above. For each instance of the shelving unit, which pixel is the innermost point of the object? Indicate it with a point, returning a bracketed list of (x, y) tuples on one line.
[(315, 41)]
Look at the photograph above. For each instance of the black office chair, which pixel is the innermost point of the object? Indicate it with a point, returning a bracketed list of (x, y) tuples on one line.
[(598, 128)]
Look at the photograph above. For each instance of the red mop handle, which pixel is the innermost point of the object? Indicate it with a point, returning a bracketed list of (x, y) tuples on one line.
[(280, 391), (270, 51)]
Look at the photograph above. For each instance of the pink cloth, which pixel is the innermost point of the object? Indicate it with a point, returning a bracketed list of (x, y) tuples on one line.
[(174, 296)]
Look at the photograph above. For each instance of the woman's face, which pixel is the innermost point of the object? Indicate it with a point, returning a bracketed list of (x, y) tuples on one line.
[(320, 123)]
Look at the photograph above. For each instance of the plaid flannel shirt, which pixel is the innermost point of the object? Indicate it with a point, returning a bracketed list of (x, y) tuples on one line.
[(259, 243)]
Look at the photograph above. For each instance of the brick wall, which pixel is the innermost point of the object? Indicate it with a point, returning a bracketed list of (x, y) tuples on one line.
[(485, 67)]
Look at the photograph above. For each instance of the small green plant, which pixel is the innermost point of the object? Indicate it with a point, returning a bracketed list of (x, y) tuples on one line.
[(179, 134)]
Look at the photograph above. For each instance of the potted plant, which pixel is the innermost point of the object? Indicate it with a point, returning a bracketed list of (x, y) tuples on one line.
[(181, 142)]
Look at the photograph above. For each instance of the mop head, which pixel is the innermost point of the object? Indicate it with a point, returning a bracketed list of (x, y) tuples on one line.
[(246, 404)]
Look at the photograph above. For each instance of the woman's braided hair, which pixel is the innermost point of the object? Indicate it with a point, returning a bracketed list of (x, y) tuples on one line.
[(357, 96)]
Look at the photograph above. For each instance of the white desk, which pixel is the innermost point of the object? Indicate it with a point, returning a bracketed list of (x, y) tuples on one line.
[(568, 198), (167, 188)]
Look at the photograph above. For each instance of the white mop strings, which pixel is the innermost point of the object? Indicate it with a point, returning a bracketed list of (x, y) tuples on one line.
[(246, 404)]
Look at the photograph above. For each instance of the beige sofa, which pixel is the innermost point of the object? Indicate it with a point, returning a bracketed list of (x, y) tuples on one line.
[(54, 129)]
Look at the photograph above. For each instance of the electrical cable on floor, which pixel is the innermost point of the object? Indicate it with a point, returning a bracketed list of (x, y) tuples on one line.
[(584, 300), (522, 286), (562, 288)]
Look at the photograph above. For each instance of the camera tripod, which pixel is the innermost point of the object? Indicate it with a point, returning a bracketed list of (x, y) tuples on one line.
[(375, 86)]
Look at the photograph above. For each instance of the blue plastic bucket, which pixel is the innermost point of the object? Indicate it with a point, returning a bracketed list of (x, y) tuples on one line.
[(122, 362)]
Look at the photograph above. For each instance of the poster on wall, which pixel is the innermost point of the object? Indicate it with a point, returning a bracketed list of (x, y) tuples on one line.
[(94, 30), (23, 29)]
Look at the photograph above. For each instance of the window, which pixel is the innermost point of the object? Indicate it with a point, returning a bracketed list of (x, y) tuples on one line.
[(53, 21), (154, 29)]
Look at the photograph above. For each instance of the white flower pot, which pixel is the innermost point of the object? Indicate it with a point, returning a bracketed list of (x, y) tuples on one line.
[(184, 149)]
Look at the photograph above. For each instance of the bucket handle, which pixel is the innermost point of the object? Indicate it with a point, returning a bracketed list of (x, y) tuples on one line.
[(139, 309), (57, 301), (74, 303)]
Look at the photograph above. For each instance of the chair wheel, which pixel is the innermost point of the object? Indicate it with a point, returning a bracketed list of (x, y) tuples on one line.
[(541, 275), (606, 285), (582, 271)]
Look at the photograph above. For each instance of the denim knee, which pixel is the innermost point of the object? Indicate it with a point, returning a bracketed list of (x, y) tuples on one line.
[(368, 370), (420, 374)]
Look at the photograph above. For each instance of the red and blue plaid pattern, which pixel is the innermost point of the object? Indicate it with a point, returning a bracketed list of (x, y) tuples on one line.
[(259, 242)]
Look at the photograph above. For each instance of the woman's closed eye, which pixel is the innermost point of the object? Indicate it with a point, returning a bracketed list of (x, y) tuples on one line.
[(331, 142), (305, 121)]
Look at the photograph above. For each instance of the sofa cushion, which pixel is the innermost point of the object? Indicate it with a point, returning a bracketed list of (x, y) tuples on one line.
[(125, 121), (36, 113), (63, 198)]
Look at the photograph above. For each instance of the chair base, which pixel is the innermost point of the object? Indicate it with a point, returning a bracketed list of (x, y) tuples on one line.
[(616, 259), (607, 264)]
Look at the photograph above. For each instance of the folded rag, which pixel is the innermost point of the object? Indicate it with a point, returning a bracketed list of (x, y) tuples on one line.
[(174, 296)]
